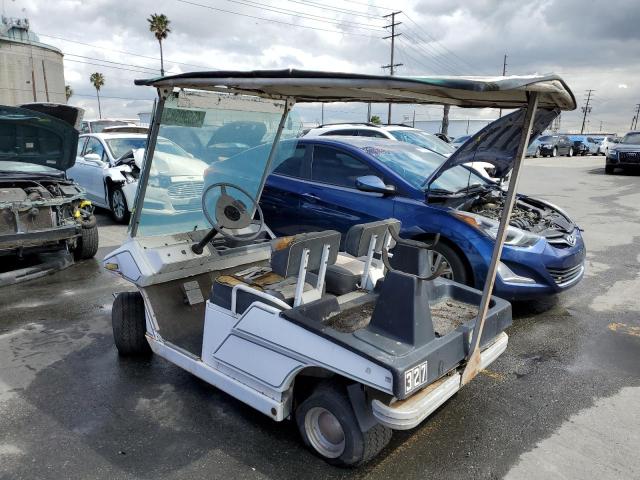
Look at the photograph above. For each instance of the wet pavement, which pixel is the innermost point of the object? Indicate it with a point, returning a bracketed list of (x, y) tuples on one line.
[(562, 402)]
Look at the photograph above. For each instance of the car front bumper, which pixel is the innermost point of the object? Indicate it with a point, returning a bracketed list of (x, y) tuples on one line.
[(409, 413)]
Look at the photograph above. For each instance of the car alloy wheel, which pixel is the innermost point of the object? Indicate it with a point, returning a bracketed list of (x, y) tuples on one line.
[(118, 205), (436, 259), (555, 152), (324, 432), (537, 154), (570, 154)]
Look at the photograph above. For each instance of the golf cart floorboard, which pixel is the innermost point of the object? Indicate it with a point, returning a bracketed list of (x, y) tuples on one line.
[(446, 315)]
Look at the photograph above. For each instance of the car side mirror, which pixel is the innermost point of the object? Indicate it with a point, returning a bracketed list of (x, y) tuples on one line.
[(372, 183), (93, 157)]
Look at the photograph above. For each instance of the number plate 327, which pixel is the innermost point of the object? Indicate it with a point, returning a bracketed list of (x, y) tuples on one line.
[(415, 378)]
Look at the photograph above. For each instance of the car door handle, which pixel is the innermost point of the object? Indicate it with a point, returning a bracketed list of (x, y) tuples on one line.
[(310, 197)]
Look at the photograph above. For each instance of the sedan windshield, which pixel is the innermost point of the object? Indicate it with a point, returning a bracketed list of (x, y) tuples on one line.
[(121, 146), (632, 138), (422, 139), (416, 164)]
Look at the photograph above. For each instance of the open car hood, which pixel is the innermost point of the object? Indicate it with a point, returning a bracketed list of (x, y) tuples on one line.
[(497, 143), (30, 135)]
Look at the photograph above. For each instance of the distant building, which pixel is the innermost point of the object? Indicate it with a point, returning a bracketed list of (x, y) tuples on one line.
[(30, 71)]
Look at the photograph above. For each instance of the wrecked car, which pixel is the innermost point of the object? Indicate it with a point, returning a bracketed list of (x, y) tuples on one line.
[(108, 167), (41, 210), (337, 182)]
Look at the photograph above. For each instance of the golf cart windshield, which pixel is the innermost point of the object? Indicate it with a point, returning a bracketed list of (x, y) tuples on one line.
[(229, 128)]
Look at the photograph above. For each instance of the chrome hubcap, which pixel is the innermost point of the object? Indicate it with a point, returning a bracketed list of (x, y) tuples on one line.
[(324, 432), (435, 260), (117, 201)]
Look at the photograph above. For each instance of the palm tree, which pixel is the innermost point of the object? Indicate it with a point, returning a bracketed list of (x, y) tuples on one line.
[(98, 81), (68, 91), (159, 25)]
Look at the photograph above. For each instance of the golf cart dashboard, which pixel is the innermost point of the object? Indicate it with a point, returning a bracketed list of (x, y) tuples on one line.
[(172, 255)]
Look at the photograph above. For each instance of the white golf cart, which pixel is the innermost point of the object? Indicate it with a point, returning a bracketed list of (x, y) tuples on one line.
[(351, 335)]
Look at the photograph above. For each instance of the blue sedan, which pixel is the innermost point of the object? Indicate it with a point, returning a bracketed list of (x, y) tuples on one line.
[(336, 182)]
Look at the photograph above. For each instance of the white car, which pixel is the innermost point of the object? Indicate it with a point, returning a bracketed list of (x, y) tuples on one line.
[(401, 133), (108, 165), (606, 144)]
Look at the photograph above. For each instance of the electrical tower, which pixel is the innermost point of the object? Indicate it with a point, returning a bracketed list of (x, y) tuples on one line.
[(393, 35), (634, 120), (586, 110), (504, 72)]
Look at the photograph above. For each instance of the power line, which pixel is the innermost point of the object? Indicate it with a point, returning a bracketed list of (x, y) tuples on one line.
[(443, 66), (273, 20), (450, 52), (336, 9), (121, 51), (373, 5), (155, 70), (297, 13)]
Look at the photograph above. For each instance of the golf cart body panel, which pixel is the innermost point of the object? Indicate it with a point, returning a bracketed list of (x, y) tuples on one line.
[(255, 315)]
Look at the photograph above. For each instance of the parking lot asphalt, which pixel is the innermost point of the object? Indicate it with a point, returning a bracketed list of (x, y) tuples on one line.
[(562, 402)]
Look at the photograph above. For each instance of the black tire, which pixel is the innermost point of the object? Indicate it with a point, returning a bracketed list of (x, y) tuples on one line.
[(87, 244), (359, 447), (609, 169), (118, 205), (456, 263), (129, 325), (554, 153)]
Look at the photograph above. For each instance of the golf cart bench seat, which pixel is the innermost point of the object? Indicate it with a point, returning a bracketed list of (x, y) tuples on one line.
[(361, 241), (309, 253)]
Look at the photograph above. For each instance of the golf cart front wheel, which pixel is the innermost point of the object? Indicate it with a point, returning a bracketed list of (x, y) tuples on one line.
[(129, 325), (328, 425)]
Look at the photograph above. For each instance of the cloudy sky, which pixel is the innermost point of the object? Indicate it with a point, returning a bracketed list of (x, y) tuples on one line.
[(593, 45)]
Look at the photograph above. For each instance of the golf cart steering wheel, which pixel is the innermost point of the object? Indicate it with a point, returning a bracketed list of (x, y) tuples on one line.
[(230, 213), (414, 244)]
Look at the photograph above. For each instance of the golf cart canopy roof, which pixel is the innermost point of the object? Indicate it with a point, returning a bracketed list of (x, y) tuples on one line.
[(311, 86)]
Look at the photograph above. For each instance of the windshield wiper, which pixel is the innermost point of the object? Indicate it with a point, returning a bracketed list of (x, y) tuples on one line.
[(470, 188)]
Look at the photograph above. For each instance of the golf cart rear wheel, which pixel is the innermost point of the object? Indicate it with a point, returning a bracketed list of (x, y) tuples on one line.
[(87, 244), (129, 325), (328, 425)]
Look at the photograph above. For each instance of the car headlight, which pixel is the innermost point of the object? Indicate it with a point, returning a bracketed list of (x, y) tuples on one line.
[(612, 154), (515, 236)]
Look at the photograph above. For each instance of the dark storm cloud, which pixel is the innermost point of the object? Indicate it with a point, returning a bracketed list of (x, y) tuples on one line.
[(592, 44)]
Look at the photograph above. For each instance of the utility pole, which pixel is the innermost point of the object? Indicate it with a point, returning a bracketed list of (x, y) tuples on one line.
[(504, 72), (600, 126), (586, 110), (393, 35), (634, 120), (322, 113)]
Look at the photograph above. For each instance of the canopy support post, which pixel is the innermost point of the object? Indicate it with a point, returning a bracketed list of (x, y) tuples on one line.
[(163, 93), (288, 105), (473, 358)]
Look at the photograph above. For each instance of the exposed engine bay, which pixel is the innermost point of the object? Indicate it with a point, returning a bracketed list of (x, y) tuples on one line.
[(42, 213), (529, 214)]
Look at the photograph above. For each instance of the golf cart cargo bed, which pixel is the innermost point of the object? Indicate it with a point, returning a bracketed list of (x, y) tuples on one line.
[(442, 353)]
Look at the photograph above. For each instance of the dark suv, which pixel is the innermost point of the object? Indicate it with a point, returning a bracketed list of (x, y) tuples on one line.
[(625, 153), (554, 145)]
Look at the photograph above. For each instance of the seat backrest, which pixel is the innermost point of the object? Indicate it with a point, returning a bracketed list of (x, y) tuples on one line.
[(287, 251), (358, 238)]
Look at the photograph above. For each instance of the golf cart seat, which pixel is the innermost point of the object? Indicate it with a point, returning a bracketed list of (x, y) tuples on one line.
[(280, 285), (361, 242)]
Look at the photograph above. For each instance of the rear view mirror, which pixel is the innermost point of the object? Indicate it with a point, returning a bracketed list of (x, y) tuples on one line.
[(371, 183)]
